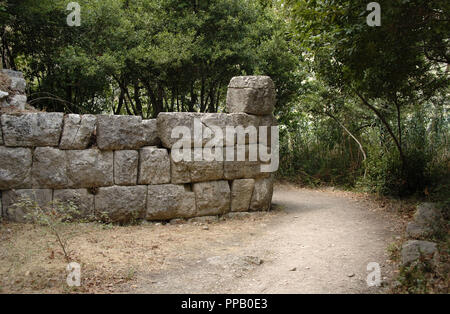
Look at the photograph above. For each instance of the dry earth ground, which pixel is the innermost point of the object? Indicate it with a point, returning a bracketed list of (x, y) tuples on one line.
[(314, 241)]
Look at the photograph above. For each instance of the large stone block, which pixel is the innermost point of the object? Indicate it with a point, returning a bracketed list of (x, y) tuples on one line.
[(121, 203), (213, 198), (241, 194), (49, 168), (120, 132), (80, 198), (154, 166), (16, 212), (17, 82), (1, 135), (90, 168), (126, 167), (251, 94), (78, 131), (210, 128), (18, 101), (15, 167), (169, 201), (150, 131), (32, 129), (245, 166), (262, 195), (201, 167), (168, 121)]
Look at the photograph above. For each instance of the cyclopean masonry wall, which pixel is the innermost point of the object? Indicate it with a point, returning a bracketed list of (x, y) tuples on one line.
[(121, 167)]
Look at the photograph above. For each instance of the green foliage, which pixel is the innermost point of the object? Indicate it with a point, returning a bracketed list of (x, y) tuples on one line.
[(143, 57)]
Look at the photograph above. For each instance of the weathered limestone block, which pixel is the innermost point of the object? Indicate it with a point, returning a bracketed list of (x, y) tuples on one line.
[(119, 132), (32, 129), (241, 194), (3, 98), (167, 121), (262, 195), (90, 168), (154, 166), (413, 249), (213, 198), (203, 166), (49, 168), (17, 82), (208, 125), (15, 168), (80, 198), (169, 201), (126, 167), (18, 101), (121, 203), (150, 131), (268, 122), (251, 94), (78, 131), (247, 167), (14, 212)]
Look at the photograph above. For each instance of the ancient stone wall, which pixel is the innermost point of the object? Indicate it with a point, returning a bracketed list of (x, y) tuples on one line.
[(122, 167)]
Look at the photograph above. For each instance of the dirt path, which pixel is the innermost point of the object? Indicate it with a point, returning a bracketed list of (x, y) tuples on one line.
[(314, 242)]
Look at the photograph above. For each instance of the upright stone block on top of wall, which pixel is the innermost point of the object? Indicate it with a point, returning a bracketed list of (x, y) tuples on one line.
[(15, 168), (90, 168), (49, 168), (169, 201), (251, 94), (119, 132), (241, 194), (42, 197), (154, 165), (80, 198), (32, 129), (126, 167), (262, 195), (121, 203), (78, 131), (213, 198)]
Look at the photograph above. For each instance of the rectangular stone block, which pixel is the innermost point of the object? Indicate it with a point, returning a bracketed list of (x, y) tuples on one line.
[(32, 129), (199, 168), (78, 131), (123, 132), (154, 166), (241, 194), (245, 166), (14, 211), (169, 201), (203, 128), (15, 168), (90, 168), (212, 198), (49, 168), (80, 198), (262, 195), (126, 167), (121, 203), (150, 131), (251, 94)]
